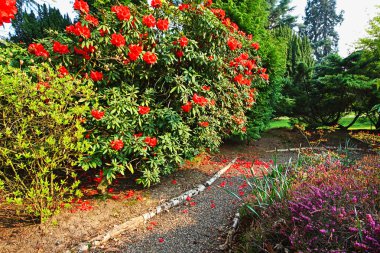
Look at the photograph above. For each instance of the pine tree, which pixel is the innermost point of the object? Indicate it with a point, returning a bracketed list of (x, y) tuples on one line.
[(29, 26), (320, 21), (279, 14)]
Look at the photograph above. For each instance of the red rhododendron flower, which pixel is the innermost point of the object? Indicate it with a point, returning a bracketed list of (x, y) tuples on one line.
[(60, 48), (187, 107), (255, 45), (117, 40), (264, 76), (122, 12), (150, 58), (233, 44), (183, 7), (179, 54), (138, 135), (63, 71), (183, 41), (163, 24), (96, 76), (79, 30), (151, 141), (149, 21), (156, 3), (208, 3), (97, 114), (7, 11), (219, 13), (174, 181), (92, 20), (103, 32), (204, 124), (81, 6), (134, 52), (206, 88), (202, 101), (117, 144), (38, 50), (144, 110)]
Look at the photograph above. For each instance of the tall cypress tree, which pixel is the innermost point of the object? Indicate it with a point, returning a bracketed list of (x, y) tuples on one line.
[(320, 21), (28, 26)]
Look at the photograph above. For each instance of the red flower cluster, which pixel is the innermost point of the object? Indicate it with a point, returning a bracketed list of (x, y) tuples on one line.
[(202, 101), (204, 124), (183, 41), (208, 3), (149, 21), (60, 48), (183, 7), (233, 43), (156, 3), (97, 114), (85, 52), (144, 110), (263, 74), (241, 80), (38, 50), (150, 58), (117, 40), (187, 107), (96, 76), (117, 144), (92, 20), (81, 6), (63, 72), (79, 30), (134, 52), (151, 141), (7, 11), (255, 45), (179, 54), (219, 13), (103, 32), (122, 12), (206, 88), (162, 24)]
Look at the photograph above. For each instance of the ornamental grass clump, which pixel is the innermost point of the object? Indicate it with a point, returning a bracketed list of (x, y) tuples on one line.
[(189, 64)]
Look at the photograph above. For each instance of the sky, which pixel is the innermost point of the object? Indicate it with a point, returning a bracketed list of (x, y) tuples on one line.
[(357, 14)]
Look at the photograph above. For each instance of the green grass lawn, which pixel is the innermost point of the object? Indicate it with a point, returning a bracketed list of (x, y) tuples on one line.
[(361, 123)]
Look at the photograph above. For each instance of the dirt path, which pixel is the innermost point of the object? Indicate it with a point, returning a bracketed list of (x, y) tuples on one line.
[(198, 226)]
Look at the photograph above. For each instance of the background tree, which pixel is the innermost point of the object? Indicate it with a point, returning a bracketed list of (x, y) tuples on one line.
[(29, 26), (320, 21), (279, 14)]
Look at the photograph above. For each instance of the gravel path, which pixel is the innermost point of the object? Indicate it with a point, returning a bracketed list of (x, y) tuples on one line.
[(198, 226)]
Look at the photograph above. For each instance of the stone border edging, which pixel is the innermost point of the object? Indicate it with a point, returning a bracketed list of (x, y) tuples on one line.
[(132, 223)]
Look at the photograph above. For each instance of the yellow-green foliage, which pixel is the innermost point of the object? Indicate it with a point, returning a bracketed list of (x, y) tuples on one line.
[(41, 136)]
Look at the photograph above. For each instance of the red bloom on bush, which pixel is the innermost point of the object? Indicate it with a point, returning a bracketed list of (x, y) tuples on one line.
[(63, 71), (183, 7), (7, 11), (117, 144), (79, 30), (156, 3), (92, 20), (219, 13), (103, 32), (264, 76), (255, 45), (151, 141), (150, 58), (163, 24), (81, 6), (183, 41), (60, 48), (134, 52), (204, 124), (233, 44), (187, 107), (144, 110), (202, 101), (122, 12), (38, 50), (179, 53), (96, 76), (97, 114), (206, 88), (117, 40), (208, 3), (149, 21)]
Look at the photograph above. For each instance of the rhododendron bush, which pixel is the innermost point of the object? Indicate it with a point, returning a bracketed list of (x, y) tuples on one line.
[(171, 81)]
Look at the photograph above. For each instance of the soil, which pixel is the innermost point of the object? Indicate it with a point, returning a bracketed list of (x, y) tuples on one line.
[(92, 216)]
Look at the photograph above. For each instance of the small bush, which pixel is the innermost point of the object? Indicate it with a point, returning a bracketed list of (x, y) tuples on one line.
[(41, 134)]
